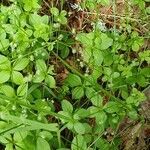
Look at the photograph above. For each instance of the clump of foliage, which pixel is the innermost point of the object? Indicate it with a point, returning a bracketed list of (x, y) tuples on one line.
[(35, 111)]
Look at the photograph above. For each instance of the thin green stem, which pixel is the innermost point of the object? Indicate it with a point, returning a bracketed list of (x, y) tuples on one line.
[(23, 102)]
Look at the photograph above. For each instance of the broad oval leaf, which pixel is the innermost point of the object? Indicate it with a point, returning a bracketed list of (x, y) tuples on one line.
[(82, 113), (79, 128), (19, 136), (106, 41), (46, 135), (90, 92), (5, 64), (101, 117), (7, 90), (4, 76), (41, 66), (86, 38), (78, 92), (38, 78), (97, 100), (98, 57), (42, 144), (20, 64), (9, 146), (112, 107), (78, 143), (4, 44), (50, 81), (17, 78), (67, 106), (73, 80), (54, 11), (22, 90)]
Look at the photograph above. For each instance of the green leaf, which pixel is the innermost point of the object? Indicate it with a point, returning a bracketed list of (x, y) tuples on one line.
[(4, 76), (86, 39), (133, 114), (106, 41), (7, 90), (32, 125), (98, 57), (50, 81), (34, 19), (102, 144), (45, 19), (79, 128), (97, 100), (2, 34), (73, 80), (104, 2), (90, 92), (82, 113), (148, 10), (5, 64), (69, 125), (67, 106), (112, 107), (88, 55), (41, 71), (38, 78), (145, 71), (41, 53), (141, 80), (61, 18), (4, 44), (20, 64), (30, 5), (93, 111), (95, 97), (28, 143), (135, 98), (90, 4), (101, 117), (17, 78), (9, 146), (46, 135), (54, 11), (97, 72), (78, 92), (4, 139), (41, 66), (37, 93), (124, 93), (41, 103), (108, 58), (19, 136), (65, 52), (42, 144), (67, 116), (22, 90), (42, 31), (78, 143), (135, 46)]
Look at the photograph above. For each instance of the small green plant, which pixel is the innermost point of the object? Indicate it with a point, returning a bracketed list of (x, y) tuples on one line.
[(92, 4), (36, 111)]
